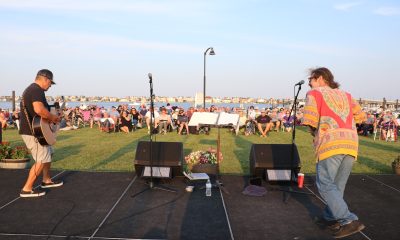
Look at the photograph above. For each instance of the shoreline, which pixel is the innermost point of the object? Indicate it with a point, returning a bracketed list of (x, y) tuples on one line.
[(185, 105)]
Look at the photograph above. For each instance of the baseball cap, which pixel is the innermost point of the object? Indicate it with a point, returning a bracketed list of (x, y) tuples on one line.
[(46, 73)]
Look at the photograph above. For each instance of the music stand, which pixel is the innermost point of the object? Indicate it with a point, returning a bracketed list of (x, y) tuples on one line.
[(218, 120), (200, 119)]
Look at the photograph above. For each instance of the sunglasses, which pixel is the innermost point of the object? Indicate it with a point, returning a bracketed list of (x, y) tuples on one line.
[(311, 78)]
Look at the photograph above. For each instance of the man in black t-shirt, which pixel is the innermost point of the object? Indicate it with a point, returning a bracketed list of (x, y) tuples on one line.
[(34, 103), (263, 123)]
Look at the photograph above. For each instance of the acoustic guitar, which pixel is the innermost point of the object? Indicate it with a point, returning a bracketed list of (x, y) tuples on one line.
[(45, 131)]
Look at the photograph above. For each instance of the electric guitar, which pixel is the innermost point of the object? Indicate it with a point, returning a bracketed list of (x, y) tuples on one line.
[(45, 131)]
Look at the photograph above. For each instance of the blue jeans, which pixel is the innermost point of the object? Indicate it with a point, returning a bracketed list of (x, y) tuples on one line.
[(332, 176)]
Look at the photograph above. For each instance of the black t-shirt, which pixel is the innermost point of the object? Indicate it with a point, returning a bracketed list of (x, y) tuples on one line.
[(33, 93), (135, 116), (263, 119), (182, 118), (125, 122)]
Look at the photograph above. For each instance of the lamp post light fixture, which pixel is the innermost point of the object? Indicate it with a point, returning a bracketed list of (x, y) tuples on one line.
[(204, 86)]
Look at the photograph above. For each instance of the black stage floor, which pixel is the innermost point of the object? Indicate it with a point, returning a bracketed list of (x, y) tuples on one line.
[(101, 205)]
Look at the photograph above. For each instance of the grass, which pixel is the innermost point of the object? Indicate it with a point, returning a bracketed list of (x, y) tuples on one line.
[(91, 150)]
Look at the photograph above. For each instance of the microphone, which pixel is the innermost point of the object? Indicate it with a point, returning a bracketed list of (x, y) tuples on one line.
[(150, 77), (300, 83)]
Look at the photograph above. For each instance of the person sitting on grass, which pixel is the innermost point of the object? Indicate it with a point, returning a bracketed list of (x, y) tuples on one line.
[(163, 121), (367, 127), (135, 118), (106, 122), (274, 120), (114, 114), (288, 121), (242, 120), (182, 122), (15, 118), (142, 111), (125, 121), (3, 119), (388, 125), (263, 123), (148, 118), (77, 117), (96, 115), (174, 115)]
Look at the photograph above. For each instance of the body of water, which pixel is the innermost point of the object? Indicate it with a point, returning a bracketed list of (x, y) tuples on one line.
[(186, 105)]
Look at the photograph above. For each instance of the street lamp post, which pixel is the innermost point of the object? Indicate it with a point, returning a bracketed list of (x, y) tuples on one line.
[(204, 86)]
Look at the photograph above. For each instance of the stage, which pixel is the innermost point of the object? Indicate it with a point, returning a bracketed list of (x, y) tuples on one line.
[(111, 205)]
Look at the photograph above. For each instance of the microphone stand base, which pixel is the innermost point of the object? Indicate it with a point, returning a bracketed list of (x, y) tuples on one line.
[(153, 186)]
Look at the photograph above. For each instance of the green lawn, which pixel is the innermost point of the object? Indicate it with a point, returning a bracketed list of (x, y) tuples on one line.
[(91, 150)]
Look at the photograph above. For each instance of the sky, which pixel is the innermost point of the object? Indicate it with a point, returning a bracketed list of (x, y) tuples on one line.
[(262, 48)]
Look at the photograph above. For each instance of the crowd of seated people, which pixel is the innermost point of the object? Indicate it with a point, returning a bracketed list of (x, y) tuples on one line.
[(381, 124), (166, 119), (9, 118), (388, 126)]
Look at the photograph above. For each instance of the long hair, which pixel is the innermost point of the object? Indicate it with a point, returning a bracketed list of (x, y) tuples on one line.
[(326, 75)]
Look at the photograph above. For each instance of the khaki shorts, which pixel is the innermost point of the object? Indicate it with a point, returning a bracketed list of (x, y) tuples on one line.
[(41, 154)]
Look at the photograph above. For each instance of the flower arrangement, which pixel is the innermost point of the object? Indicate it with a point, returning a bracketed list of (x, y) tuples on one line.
[(9, 152), (202, 157)]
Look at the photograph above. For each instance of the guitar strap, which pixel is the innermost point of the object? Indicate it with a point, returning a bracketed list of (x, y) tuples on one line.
[(26, 113)]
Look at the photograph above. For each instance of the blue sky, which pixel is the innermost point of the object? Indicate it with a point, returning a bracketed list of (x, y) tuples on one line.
[(98, 47)]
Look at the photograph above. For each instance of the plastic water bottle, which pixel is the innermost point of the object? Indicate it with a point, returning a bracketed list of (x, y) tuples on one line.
[(208, 188)]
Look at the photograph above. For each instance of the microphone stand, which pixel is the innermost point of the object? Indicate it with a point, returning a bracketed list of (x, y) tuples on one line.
[(294, 109), (151, 183)]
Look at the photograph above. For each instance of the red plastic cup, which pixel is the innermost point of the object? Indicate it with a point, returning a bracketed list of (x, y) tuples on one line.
[(300, 180)]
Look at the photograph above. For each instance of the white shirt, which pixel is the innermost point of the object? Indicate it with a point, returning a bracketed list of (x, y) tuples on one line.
[(156, 114), (252, 114)]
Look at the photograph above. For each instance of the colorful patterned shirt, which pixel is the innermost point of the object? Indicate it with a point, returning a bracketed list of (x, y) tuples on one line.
[(333, 113)]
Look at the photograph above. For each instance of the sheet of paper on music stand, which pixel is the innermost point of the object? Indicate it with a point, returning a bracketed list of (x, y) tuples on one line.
[(278, 175), (228, 118), (160, 172), (197, 176), (208, 118)]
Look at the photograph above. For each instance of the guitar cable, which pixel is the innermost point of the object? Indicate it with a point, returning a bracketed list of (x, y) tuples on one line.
[(37, 149)]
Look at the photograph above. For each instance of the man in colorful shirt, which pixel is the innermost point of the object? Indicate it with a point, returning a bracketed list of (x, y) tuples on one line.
[(332, 114)]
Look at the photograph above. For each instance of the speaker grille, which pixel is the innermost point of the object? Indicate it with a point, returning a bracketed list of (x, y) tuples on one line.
[(273, 156), (164, 154)]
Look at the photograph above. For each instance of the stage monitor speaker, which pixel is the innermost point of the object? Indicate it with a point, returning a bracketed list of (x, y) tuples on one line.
[(267, 157), (165, 154)]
